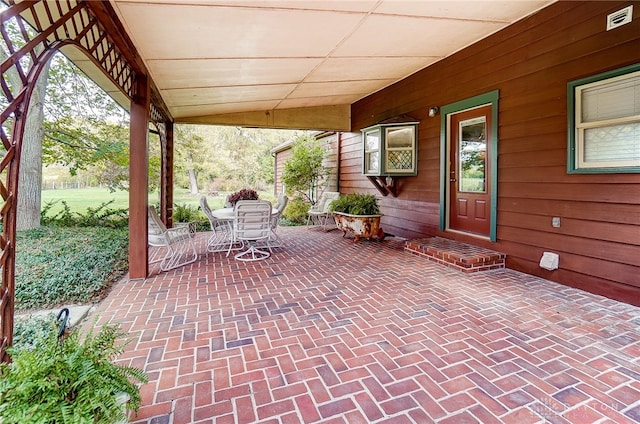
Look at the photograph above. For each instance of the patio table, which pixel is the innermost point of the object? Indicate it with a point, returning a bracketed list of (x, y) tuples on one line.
[(228, 214), (223, 241)]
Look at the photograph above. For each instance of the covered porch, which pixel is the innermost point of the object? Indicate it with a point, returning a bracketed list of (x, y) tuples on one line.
[(266, 64), (326, 330), (331, 331)]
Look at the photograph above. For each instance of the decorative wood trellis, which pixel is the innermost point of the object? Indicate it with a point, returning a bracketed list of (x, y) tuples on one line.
[(164, 129), (32, 32)]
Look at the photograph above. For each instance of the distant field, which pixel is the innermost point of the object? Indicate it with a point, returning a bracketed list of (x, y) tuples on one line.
[(81, 199)]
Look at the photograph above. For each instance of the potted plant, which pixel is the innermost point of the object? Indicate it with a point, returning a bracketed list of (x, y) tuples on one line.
[(64, 380), (244, 194), (359, 214)]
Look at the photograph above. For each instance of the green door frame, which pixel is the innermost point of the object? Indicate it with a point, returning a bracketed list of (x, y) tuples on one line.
[(446, 110)]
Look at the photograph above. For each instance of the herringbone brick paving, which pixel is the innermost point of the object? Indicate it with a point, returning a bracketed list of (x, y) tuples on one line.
[(330, 331)]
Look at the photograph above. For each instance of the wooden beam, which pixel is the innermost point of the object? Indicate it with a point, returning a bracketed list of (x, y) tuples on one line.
[(330, 118)]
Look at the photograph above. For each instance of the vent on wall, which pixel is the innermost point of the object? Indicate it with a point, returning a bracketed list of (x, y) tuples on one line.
[(619, 18)]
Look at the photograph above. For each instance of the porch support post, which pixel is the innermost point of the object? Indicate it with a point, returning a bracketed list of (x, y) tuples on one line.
[(166, 178), (138, 180)]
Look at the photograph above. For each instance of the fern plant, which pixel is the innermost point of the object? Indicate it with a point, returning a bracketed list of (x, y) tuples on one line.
[(73, 381), (356, 204), (185, 213)]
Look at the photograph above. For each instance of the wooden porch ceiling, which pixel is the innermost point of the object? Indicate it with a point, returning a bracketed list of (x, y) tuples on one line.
[(297, 63)]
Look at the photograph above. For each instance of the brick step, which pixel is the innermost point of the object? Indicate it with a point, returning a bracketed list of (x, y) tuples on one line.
[(454, 254)]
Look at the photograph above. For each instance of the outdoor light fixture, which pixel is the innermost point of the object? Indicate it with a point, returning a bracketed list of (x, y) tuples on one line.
[(433, 111)]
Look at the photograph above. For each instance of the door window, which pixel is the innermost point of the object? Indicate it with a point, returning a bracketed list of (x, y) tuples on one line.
[(472, 150)]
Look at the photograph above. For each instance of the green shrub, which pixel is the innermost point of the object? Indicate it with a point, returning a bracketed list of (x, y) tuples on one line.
[(102, 216), (184, 213), (188, 213), (303, 171), (55, 265), (202, 223), (73, 381), (191, 213), (28, 333), (356, 204), (296, 211)]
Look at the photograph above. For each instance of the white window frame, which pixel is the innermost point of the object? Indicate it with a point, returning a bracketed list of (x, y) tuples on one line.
[(368, 153), (576, 158), (383, 149), (411, 149)]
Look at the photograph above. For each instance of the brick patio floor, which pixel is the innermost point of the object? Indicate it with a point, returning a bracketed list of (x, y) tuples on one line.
[(331, 331)]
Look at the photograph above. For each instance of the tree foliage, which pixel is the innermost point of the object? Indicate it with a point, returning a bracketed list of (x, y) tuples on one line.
[(304, 173), (226, 158), (189, 155), (86, 130)]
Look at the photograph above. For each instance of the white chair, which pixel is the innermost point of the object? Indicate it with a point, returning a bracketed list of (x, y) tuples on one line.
[(319, 213), (281, 204), (219, 241), (252, 226), (175, 246)]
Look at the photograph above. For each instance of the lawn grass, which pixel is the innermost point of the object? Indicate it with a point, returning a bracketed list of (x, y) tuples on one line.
[(80, 199)]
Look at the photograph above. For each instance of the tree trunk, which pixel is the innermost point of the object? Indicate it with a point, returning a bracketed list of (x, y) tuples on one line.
[(30, 176), (193, 182)]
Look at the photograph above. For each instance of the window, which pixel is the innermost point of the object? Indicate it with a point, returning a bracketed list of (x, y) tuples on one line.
[(472, 155), (372, 151), (399, 149), (604, 122), (390, 149)]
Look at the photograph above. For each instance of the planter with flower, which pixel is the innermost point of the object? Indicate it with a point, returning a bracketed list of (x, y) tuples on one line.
[(358, 214), (244, 194)]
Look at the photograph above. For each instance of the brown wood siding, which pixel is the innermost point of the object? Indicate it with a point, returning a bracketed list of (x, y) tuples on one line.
[(330, 143), (281, 158), (530, 63)]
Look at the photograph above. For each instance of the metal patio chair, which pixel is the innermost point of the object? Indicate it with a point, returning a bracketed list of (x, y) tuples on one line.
[(276, 212), (175, 246), (252, 226), (319, 213), (221, 228)]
